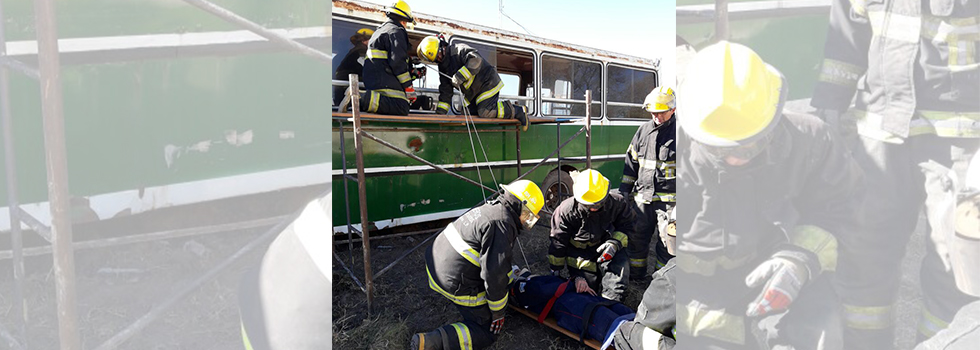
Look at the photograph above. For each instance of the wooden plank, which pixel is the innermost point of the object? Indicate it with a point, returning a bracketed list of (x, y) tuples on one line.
[(551, 323), (441, 119)]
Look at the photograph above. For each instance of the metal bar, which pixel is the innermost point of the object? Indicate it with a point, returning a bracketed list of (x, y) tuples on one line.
[(395, 235), (41, 229), (162, 307), (274, 37), (623, 104), (721, 20), (551, 155), (404, 255), (343, 164), (11, 341), (428, 131), (362, 192), (565, 100), (19, 304), (407, 154), (588, 133), (558, 150), (52, 111), (351, 273), (344, 83), (518, 135), (153, 236), (18, 66)]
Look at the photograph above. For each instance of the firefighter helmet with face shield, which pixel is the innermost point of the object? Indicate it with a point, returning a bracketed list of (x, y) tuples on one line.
[(532, 200)]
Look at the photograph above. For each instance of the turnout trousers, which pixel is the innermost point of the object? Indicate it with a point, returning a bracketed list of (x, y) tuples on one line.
[(646, 232)]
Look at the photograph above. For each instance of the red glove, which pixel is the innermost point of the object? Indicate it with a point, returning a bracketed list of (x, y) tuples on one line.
[(410, 92)]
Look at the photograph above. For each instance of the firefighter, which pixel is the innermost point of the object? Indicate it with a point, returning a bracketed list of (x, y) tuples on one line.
[(767, 191), (469, 263), (590, 234), (648, 177), (387, 72), (910, 66), (462, 66), (653, 326), (353, 62)]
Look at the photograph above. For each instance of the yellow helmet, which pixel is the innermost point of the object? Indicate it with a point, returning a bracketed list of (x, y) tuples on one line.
[(401, 9), (661, 99), (737, 97), (361, 35), (429, 48), (365, 31), (529, 192), (590, 187)]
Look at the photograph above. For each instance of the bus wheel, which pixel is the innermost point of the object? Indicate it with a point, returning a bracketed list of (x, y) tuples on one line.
[(551, 187)]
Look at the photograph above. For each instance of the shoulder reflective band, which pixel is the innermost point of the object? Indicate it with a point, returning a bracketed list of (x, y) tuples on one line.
[(464, 300), (463, 334), (461, 246), (377, 54), (404, 77), (498, 304), (443, 105), (489, 93)]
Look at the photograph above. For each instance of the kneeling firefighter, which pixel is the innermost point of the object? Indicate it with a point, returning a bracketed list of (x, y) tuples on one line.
[(469, 263)]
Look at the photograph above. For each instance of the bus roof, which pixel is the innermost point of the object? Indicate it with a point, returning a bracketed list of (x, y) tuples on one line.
[(366, 10)]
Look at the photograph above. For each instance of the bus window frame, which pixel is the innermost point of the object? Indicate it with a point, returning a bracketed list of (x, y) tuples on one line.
[(605, 97), (535, 64), (602, 83)]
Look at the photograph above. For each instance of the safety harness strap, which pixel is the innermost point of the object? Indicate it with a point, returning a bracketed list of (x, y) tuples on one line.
[(551, 302)]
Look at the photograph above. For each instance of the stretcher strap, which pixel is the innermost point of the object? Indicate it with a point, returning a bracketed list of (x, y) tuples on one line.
[(551, 302), (587, 317)]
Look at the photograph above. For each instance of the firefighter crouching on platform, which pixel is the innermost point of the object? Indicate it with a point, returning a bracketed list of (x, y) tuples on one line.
[(353, 62), (589, 235), (387, 72), (476, 78), (653, 326), (910, 67), (766, 190), (469, 263), (648, 178)]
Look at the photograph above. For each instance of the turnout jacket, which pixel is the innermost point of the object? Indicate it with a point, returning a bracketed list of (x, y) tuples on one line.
[(913, 65), (801, 192), (651, 163), (576, 232), (386, 69), (480, 79), (470, 261)]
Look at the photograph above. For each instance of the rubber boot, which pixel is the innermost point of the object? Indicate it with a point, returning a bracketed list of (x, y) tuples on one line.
[(426, 341)]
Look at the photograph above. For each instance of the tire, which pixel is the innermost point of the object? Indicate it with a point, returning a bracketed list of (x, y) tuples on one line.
[(550, 187)]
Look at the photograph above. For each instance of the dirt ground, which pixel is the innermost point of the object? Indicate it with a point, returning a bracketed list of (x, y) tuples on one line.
[(404, 304), (117, 285)]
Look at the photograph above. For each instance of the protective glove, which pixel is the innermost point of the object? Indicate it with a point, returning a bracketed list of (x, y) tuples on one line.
[(417, 72), (556, 273), (783, 279), (498, 322), (458, 80), (581, 286), (410, 92), (608, 250)]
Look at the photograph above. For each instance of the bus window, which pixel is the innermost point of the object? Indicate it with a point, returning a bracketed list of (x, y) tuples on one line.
[(627, 88), (516, 69), (564, 82)]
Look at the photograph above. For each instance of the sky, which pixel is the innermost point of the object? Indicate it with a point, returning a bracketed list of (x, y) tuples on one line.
[(640, 28)]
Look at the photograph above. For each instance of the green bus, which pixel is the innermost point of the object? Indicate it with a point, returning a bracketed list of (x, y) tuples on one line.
[(167, 105), (547, 76)]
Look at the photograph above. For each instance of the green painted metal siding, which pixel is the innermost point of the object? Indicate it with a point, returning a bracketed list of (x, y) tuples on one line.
[(121, 118), (398, 196)]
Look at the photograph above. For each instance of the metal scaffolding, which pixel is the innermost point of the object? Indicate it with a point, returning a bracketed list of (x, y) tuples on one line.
[(360, 133), (59, 234)]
